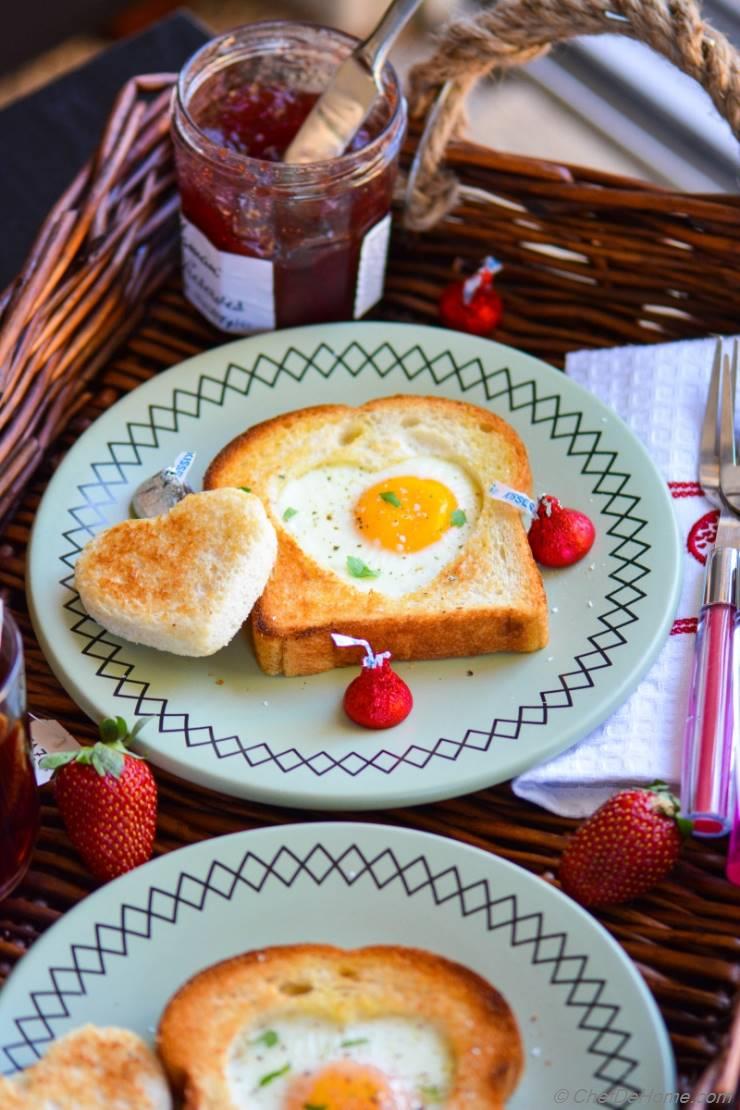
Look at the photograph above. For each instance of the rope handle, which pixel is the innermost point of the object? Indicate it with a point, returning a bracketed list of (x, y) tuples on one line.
[(514, 32)]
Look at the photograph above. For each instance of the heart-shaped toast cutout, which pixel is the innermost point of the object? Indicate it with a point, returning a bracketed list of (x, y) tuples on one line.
[(89, 1067), (182, 582)]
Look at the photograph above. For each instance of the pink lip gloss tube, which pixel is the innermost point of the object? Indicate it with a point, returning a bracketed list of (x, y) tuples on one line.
[(733, 852), (711, 718)]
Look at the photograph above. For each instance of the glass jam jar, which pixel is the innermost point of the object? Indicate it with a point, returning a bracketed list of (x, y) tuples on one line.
[(19, 801), (266, 244)]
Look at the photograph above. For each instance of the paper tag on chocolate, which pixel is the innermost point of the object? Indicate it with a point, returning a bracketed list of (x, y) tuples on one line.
[(499, 492), (371, 659), (49, 738), (182, 464)]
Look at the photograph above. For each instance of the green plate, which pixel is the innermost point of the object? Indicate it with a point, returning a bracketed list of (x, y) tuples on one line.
[(588, 1021), (222, 723)]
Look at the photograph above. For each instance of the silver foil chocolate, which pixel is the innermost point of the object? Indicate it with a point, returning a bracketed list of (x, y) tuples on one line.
[(162, 491)]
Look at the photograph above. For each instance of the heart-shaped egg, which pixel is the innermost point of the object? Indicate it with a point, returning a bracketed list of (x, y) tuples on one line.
[(184, 581), (387, 1062), (389, 530)]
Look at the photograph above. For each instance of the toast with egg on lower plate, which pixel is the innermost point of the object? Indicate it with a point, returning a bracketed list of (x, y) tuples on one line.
[(386, 532), (311, 1025), (90, 1068)]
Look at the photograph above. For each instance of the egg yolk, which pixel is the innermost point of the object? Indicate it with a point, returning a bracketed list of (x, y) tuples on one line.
[(344, 1085), (405, 514)]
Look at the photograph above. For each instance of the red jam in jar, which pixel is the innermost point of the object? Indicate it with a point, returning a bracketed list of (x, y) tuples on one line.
[(267, 244), (260, 121)]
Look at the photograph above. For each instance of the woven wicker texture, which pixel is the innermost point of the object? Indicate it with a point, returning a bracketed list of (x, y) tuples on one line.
[(590, 260)]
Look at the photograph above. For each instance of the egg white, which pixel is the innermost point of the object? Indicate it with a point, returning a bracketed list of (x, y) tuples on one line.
[(411, 1054), (317, 509)]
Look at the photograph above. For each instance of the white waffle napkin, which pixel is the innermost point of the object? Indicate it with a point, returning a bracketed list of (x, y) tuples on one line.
[(660, 392)]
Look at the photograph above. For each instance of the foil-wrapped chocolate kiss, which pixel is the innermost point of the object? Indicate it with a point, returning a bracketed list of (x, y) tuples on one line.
[(162, 491)]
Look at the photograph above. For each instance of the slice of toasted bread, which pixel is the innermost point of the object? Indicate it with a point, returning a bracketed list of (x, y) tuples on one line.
[(91, 1069), (489, 598), (182, 582), (216, 1021)]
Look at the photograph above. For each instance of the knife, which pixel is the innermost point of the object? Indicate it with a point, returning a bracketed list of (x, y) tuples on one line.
[(340, 111)]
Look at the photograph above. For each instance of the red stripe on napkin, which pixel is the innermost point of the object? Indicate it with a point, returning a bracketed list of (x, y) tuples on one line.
[(684, 624), (685, 489)]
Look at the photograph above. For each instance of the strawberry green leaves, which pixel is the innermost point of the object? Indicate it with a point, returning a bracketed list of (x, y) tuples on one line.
[(112, 729), (107, 755)]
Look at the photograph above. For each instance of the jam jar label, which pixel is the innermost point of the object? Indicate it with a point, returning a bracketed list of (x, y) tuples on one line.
[(371, 269), (233, 291)]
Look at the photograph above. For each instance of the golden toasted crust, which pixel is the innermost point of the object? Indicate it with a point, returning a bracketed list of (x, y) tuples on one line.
[(491, 598), (91, 1069), (11, 1098), (202, 1020), (184, 581)]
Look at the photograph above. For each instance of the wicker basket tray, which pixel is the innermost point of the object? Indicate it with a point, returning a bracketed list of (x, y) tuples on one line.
[(591, 259)]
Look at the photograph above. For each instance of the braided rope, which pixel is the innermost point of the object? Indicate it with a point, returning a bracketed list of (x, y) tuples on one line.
[(514, 32)]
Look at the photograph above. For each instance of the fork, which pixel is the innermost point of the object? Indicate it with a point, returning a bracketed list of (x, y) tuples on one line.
[(711, 719)]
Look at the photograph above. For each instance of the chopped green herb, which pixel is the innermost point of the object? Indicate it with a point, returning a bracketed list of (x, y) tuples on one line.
[(433, 1093), (289, 513), (352, 1043), (358, 569), (391, 498), (245, 489), (273, 1075), (458, 518), (269, 1038), (315, 1106)]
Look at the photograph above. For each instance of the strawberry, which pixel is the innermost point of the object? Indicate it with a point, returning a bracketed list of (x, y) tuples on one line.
[(108, 800), (630, 843), (558, 536)]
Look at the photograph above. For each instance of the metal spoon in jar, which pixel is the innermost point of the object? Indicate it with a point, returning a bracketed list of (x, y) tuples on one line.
[(340, 111)]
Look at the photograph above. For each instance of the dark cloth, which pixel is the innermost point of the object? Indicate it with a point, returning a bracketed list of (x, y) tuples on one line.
[(46, 137)]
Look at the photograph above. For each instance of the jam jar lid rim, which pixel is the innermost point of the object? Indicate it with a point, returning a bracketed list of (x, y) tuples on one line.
[(342, 164)]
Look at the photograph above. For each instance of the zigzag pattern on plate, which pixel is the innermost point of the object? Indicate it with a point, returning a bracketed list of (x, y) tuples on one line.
[(610, 486), (569, 972)]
